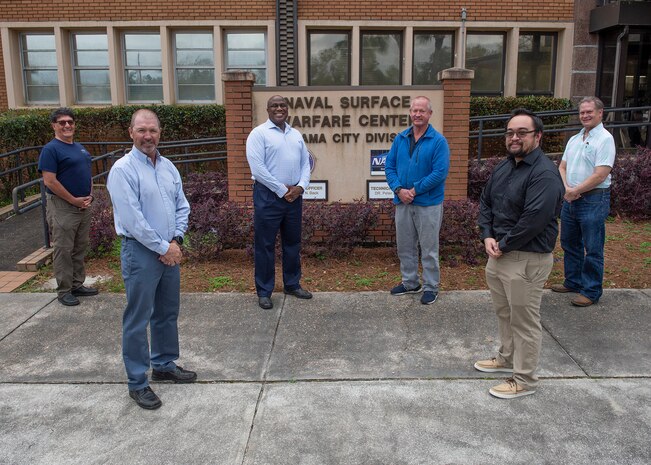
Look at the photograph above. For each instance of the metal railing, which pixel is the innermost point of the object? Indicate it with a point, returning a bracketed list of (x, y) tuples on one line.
[(613, 124), (183, 153)]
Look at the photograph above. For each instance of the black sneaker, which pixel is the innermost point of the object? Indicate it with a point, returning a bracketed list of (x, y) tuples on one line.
[(300, 293), (68, 299), (177, 375), (83, 291), (145, 398), (400, 289), (429, 297)]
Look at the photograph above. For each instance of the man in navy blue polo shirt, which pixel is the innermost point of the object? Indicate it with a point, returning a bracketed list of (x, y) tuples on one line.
[(66, 169)]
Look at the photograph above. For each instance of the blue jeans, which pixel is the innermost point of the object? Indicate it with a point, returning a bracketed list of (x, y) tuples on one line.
[(153, 299), (583, 233)]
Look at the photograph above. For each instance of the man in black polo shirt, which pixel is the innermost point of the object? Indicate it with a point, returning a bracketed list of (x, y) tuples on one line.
[(66, 169), (518, 219)]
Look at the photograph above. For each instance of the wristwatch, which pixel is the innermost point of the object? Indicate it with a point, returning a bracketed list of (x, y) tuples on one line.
[(398, 189), (178, 239)]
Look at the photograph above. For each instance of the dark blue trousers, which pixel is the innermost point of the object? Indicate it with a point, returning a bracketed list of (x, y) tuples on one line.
[(153, 299), (273, 214)]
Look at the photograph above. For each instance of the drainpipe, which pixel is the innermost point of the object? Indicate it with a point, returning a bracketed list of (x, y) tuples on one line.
[(618, 57)]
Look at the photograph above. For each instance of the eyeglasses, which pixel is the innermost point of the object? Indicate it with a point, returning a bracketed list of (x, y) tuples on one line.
[(521, 133), (65, 122), (278, 105)]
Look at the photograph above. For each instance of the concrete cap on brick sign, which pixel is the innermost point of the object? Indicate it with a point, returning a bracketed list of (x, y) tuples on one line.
[(456, 73), (238, 75)]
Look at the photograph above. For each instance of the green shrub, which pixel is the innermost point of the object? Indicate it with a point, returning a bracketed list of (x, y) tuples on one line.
[(494, 146), (484, 106), (24, 128)]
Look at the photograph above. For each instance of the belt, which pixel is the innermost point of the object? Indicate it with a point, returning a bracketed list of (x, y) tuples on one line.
[(127, 238), (597, 191)]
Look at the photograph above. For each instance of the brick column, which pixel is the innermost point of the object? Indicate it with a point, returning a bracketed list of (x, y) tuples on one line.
[(456, 114), (239, 122)]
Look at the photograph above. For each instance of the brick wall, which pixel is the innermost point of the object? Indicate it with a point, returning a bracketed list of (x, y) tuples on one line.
[(239, 122), (456, 112), (385, 231), (127, 10), (478, 10)]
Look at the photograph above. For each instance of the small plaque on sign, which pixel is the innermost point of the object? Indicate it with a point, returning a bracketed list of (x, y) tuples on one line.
[(317, 190), (378, 160), (378, 190)]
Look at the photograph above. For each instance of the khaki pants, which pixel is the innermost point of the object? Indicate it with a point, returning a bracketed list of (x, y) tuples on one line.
[(516, 281), (69, 229)]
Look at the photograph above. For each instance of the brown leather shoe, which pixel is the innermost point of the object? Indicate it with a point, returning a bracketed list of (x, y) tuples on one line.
[(561, 288), (581, 301)]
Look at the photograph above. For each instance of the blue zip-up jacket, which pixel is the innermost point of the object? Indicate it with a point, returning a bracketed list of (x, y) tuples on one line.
[(425, 170)]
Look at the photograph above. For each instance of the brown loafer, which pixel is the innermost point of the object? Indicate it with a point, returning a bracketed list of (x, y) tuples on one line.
[(582, 301), (561, 288)]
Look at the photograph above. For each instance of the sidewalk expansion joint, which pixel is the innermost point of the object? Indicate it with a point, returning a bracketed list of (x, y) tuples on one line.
[(264, 380), (563, 348)]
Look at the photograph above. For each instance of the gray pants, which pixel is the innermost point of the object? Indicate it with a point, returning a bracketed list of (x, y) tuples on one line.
[(516, 281), (69, 228), (419, 226)]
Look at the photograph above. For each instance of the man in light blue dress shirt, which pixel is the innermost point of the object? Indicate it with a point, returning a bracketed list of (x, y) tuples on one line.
[(280, 168), (585, 168), (151, 215)]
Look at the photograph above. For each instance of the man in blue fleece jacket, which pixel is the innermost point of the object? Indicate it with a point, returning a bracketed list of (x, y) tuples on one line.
[(416, 168)]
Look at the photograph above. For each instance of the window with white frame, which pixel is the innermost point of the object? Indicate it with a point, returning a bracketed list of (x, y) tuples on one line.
[(247, 51), (90, 64), (381, 62), (39, 67), (536, 63), (485, 56), (195, 66), (433, 52), (329, 58), (143, 67)]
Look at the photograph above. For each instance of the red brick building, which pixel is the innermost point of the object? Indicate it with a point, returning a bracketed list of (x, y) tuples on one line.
[(101, 52)]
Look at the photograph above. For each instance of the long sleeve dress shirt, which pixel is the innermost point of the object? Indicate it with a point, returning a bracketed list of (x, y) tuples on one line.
[(521, 203), (148, 200), (278, 158)]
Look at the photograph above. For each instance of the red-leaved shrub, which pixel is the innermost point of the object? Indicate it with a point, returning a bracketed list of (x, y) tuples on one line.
[(459, 239), (335, 229), (478, 173), (216, 226), (102, 232), (631, 185)]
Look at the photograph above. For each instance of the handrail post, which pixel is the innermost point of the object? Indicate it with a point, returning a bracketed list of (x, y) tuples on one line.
[(480, 139), (46, 228), (20, 176)]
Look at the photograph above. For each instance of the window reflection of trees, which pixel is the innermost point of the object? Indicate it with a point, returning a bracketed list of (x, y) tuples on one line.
[(381, 59), (484, 55), (329, 66), (427, 66)]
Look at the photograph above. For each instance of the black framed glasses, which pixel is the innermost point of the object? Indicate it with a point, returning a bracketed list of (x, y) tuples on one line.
[(522, 133), (66, 122)]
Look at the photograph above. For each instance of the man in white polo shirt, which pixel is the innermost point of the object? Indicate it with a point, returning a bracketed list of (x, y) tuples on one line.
[(585, 169)]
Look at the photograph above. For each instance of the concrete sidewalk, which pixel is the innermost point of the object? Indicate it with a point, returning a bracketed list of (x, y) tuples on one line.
[(346, 378)]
